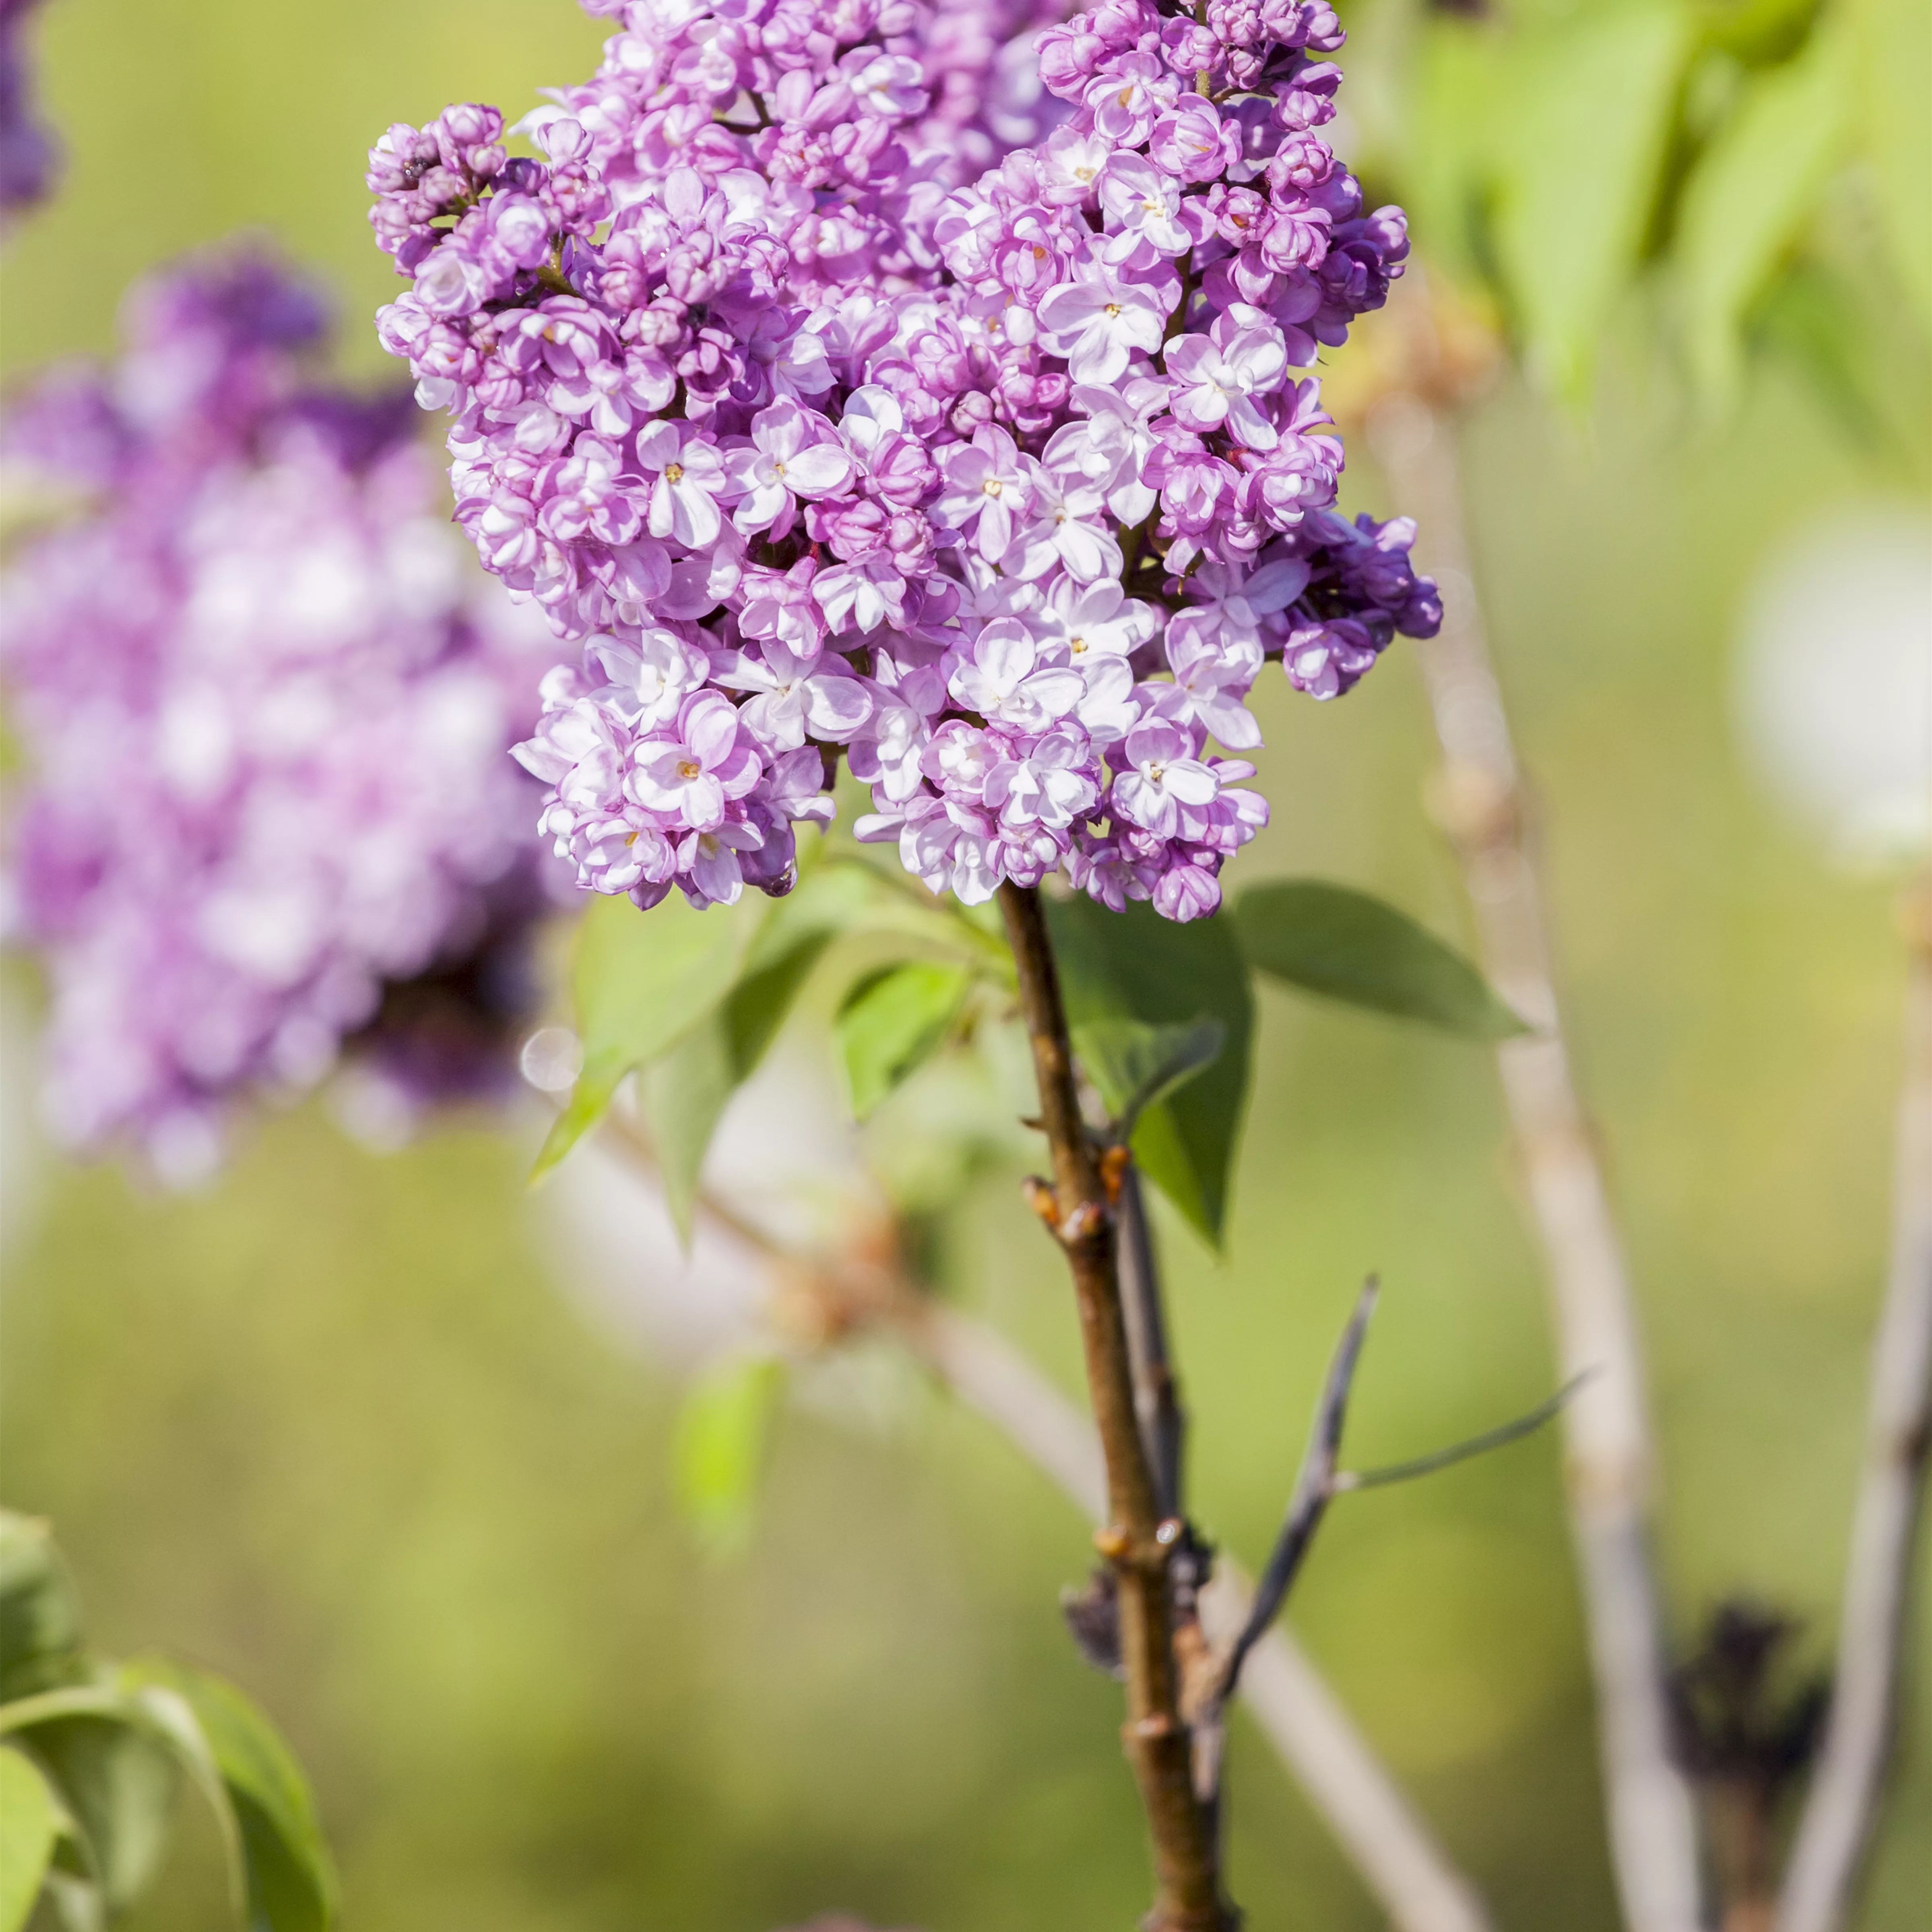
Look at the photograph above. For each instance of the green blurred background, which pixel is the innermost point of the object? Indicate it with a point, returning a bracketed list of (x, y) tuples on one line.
[(335, 1428)]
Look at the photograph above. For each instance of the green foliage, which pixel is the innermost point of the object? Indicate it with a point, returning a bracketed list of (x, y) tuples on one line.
[(1137, 967), (39, 1619), (892, 1021), (1750, 198), (1329, 939), (1136, 1066), (1585, 125), (723, 1433), (119, 1783), (691, 1001), (240, 1761), (640, 982), (30, 1822), (89, 1777)]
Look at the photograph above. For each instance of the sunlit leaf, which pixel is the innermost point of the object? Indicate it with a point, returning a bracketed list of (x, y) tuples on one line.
[(723, 1431), (1751, 197), (1584, 119), (1136, 965), (891, 1023), (40, 1618), (30, 1822), (288, 1880), (1328, 939), (1135, 1065), (640, 981)]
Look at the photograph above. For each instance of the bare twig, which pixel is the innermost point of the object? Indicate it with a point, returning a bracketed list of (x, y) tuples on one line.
[(1504, 1433), (1479, 798), (1137, 1539), (1314, 1490), (1839, 1812)]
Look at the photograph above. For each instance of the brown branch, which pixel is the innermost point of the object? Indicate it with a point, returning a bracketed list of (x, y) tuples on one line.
[(1842, 1805), (1479, 798), (1136, 1540), (1407, 1872)]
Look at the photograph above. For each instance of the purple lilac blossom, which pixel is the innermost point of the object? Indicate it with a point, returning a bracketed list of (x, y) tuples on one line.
[(264, 703), (28, 153), (1004, 485)]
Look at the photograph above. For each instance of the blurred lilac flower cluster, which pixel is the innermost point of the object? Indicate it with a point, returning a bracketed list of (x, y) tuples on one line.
[(1003, 486), (266, 703), (28, 152)]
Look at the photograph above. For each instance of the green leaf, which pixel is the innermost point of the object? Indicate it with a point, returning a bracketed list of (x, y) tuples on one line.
[(119, 1783), (723, 1431), (1135, 1065), (640, 981), (1893, 57), (39, 1616), (892, 1021), (286, 1875), (684, 1092), (1585, 116), (1329, 939), (682, 1095), (1751, 196), (1136, 965), (30, 1822)]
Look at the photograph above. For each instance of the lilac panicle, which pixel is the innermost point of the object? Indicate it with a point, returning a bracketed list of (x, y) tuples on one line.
[(265, 705), (834, 396), (28, 153)]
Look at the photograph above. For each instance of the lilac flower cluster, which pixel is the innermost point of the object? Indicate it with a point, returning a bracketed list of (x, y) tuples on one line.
[(28, 152), (1006, 488), (265, 703)]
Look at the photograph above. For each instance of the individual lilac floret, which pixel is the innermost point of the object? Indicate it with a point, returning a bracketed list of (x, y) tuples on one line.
[(265, 705), (832, 400), (28, 153)]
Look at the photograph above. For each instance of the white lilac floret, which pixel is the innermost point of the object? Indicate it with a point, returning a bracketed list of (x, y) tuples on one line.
[(821, 438), (265, 704)]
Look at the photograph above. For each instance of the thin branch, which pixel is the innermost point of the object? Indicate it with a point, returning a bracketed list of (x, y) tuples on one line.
[(1314, 1490), (1347, 1480), (1138, 1539), (1479, 799), (1163, 1422), (1843, 1804), (1320, 1480), (1388, 1842)]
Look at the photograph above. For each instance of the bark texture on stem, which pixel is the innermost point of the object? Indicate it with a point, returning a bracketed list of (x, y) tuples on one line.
[(1836, 1824), (1478, 797), (1188, 1895)]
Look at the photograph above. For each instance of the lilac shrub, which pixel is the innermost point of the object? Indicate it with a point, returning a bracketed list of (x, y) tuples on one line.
[(814, 441), (265, 703)]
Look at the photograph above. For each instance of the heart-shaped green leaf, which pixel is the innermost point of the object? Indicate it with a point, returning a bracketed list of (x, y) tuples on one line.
[(892, 1021), (1136, 966), (1329, 939)]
